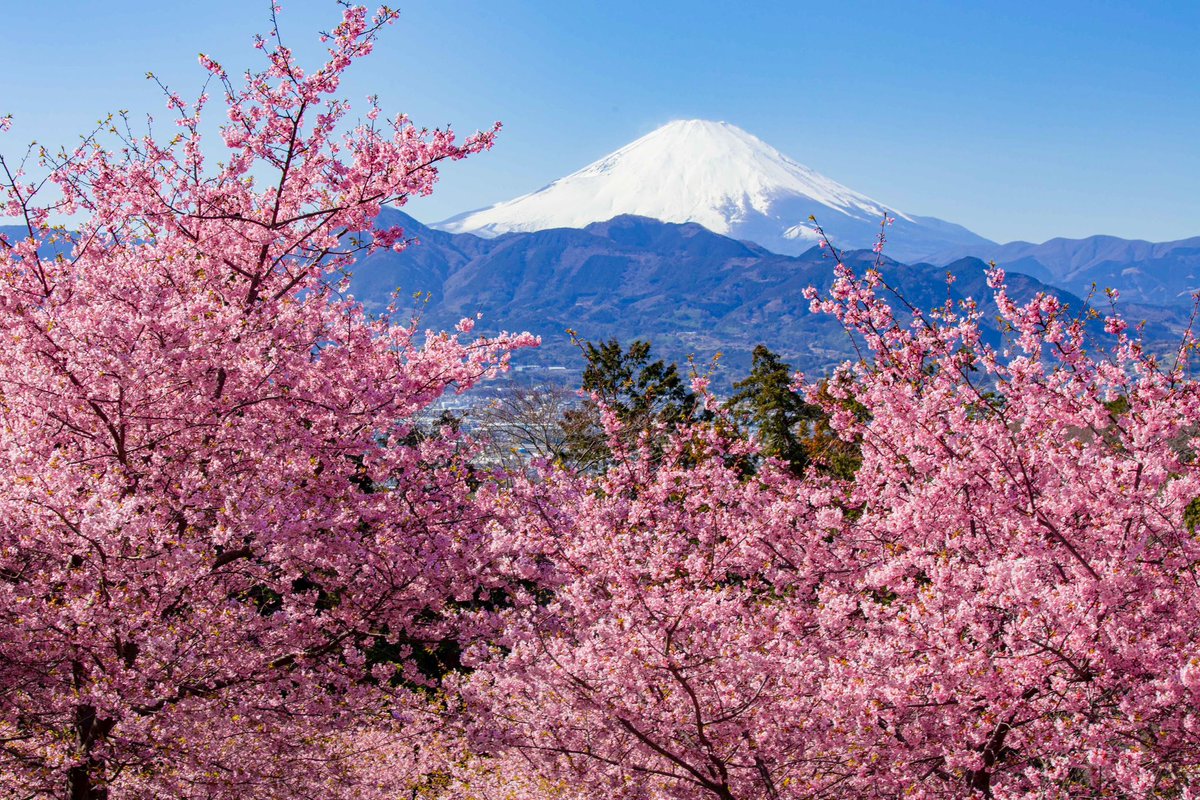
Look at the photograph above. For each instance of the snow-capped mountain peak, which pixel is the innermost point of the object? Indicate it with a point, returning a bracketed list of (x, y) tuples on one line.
[(714, 174)]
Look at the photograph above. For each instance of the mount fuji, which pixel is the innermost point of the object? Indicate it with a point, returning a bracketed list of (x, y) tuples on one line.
[(725, 179)]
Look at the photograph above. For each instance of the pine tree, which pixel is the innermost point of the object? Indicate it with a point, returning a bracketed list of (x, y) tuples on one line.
[(641, 392), (638, 389), (764, 400)]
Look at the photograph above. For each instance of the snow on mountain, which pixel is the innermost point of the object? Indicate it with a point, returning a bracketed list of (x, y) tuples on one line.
[(723, 178)]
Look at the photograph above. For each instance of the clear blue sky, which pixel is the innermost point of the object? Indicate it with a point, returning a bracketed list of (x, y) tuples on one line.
[(1017, 119)]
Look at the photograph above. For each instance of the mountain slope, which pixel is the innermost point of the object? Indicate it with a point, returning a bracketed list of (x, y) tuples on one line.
[(719, 176), (1158, 273), (683, 287)]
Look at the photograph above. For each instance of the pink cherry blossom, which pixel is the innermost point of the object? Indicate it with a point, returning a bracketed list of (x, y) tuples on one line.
[(215, 513), (1002, 603)]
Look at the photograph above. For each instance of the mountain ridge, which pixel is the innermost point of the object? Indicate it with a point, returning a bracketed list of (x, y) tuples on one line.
[(690, 291), (1155, 273)]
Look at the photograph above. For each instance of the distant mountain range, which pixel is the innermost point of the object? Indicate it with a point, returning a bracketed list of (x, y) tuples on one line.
[(731, 182), (1163, 273), (687, 289)]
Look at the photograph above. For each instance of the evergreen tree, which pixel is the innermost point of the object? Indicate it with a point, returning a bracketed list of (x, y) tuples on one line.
[(764, 400), (638, 389), (642, 393)]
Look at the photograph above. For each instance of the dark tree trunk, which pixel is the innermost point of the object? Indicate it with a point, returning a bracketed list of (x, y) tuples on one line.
[(86, 780)]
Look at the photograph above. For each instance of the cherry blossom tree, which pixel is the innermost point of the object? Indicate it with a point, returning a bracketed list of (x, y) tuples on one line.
[(220, 544), (1028, 593), (229, 568), (663, 638), (1002, 603)]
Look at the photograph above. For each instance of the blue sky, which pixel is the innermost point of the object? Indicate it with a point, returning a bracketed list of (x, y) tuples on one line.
[(1019, 120)]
